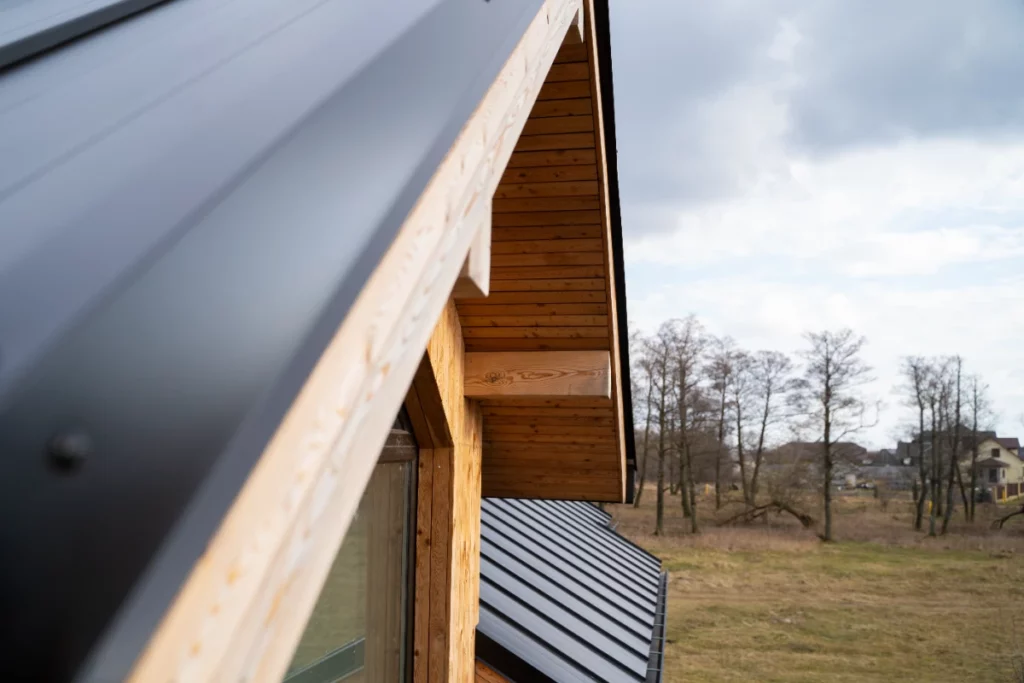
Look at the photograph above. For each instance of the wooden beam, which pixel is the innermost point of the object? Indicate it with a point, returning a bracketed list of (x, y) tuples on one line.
[(538, 374), (242, 609), (448, 521), (475, 278)]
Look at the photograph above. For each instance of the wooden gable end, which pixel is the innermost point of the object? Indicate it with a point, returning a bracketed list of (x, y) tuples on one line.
[(552, 289)]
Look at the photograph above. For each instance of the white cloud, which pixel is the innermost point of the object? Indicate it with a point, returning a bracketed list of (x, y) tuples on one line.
[(982, 322), (881, 211)]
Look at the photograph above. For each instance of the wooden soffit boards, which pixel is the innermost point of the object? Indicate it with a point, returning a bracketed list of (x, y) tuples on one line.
[(552, 288), (243, 607)]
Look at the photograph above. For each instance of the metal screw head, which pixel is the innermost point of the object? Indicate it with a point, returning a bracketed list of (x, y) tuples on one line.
[(69, 450)]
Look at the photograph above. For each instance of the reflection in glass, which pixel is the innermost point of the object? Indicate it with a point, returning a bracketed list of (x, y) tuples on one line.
[(358, 629)]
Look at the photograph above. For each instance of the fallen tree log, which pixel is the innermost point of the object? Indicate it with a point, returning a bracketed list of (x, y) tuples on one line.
[(998, 524), (755, 511)]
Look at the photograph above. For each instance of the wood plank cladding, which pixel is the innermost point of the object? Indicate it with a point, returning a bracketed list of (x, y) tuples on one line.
[(550, 291), (538, 374)]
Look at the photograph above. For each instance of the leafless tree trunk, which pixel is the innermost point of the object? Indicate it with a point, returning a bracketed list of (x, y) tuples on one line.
[(741, 368), (659, 354), (721, 377), (688, 342), (771, 374), (954, 451), (932, 444), (829, 394), (648, 371), (691, 490), (659, 523), (915, 370), (978, 408)]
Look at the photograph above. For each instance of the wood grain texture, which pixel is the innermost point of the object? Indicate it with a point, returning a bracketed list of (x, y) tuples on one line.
[(456, 512), (544, 233), (559, 124), (533, 309), (560, 141), (557, 258), (546, 174), (574, 52), (548, 284), (565, 90), (536, 300), (535, 320), (538, 216), (475, 277), (578, 71), (242, 609), (547, 189), (547, 246), (539, 374), (575, 107), (535, 343), (485, 674), (558, 157)]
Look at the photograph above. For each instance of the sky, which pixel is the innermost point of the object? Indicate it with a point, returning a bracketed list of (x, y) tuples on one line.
[(787, 166)]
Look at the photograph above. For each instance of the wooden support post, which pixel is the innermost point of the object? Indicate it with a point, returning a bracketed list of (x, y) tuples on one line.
[(538, 374), (449, 429)]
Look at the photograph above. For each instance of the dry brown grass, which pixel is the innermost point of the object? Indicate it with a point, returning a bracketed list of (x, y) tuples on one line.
[(770, 602)]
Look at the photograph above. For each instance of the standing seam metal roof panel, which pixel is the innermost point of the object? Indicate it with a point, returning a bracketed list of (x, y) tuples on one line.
[(584, 569), (561, 605), (586, 552)]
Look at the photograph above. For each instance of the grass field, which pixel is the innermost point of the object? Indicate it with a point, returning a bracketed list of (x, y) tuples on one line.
[(770, 602)]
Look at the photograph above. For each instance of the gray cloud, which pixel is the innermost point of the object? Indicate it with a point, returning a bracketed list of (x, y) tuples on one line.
[(863, 73), (875, 71), (670, 57)]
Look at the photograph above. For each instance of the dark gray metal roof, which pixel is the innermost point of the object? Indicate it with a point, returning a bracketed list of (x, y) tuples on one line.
[(564, 598), (29, 28), (190, 200)]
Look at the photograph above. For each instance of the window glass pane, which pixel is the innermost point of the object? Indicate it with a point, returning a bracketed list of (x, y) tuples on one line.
[(359, 629)]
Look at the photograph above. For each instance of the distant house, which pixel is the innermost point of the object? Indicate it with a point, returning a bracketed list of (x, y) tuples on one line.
[(909, 452), (1000, 468), (886, 467), (801, 462)]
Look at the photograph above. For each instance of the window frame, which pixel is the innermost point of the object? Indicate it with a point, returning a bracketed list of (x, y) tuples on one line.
[(406, 453)]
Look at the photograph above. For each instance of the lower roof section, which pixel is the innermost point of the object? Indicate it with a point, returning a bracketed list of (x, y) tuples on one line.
[(563, 597)]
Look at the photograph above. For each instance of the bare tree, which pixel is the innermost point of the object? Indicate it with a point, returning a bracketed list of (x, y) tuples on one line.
[(979, 409), (658, 350), (915, 371), (829, 393), (740, 390), (771, 379), (646, 367), (935, 394), (720, 372), (954, 450), (688, 341)]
